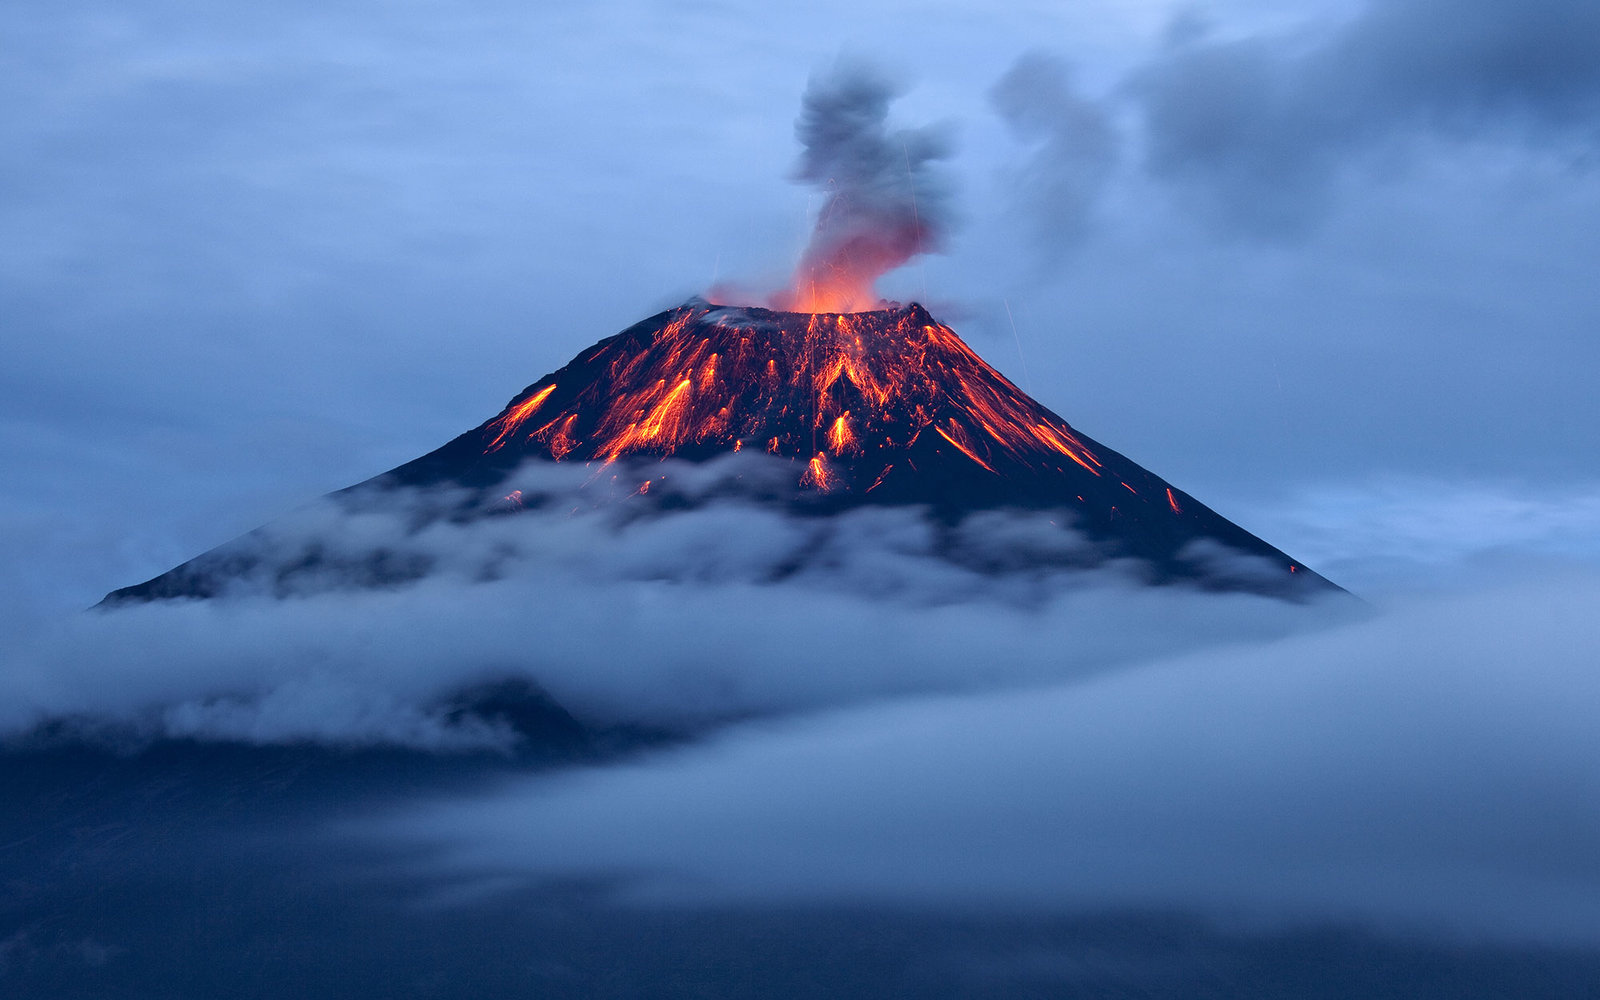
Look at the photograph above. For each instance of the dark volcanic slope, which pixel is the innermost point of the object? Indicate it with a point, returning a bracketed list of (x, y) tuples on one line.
[(881, 408)]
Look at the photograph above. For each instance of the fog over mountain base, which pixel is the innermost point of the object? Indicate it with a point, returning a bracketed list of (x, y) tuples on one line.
[(358, 623), (1433, 769), (586, 754)]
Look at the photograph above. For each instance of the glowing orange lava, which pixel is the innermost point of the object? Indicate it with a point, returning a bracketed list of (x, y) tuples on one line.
[(816, 474), (829, 390), (839, 437), (820, 290), (515, 417)]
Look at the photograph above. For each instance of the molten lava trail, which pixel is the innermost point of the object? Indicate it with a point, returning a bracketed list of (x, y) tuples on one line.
[(836, 391)]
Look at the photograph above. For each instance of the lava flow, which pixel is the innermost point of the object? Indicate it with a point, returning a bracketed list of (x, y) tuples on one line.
[(886, 407), (850, 395)]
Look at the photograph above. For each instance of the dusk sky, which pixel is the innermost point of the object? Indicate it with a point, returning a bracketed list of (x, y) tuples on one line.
[(1328, 266)]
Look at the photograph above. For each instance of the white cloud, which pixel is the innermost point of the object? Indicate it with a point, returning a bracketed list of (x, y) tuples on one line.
[(678, 620)]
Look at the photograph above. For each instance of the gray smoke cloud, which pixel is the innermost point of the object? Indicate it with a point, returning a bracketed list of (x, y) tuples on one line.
[(883, 203), (1075, 147), (1258, 130), (1262, 127)]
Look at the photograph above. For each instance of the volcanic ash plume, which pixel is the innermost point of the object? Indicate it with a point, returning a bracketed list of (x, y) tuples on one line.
[(883, 206)]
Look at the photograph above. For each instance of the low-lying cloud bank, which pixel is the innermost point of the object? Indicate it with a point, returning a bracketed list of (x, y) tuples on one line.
[(902, 725), (1434, 769), (680, 620)]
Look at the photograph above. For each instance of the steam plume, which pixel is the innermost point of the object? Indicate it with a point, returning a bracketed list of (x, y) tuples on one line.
[(883, 204)]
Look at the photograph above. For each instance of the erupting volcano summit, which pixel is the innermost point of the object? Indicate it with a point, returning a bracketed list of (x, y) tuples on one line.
[(870, 403), (885, 408)]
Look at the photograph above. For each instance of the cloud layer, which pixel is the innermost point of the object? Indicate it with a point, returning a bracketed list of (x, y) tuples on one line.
[(677, 620), (1431, 770)]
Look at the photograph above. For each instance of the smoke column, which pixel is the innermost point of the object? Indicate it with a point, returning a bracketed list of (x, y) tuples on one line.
[(882, 207)]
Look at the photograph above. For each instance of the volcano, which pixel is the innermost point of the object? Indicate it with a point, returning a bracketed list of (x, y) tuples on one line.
[(880, 408)]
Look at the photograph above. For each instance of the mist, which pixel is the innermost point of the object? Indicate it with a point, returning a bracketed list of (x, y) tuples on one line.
[(682, 621), (1431, 771)]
